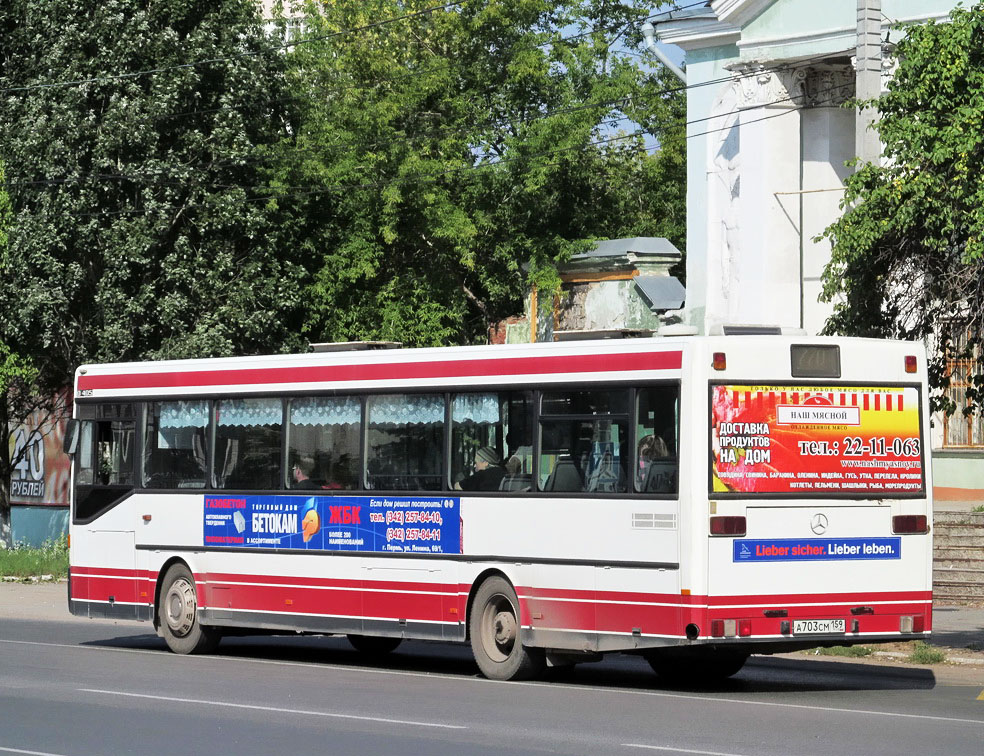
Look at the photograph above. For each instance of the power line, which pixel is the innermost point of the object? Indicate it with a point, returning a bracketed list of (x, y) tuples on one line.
[(432, 177), (294, 43), (223, 59), (362, 146)]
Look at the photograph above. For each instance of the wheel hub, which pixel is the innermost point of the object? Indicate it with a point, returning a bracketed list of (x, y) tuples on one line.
[(180, 605), (505, 628)]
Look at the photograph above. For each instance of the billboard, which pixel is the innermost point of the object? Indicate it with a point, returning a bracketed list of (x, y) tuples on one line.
[(41, 471), (816, 440)]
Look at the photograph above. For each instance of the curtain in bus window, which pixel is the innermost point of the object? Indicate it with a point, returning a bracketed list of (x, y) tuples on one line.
[(247, 444), (175, 445), (405, 442), (323, 443), (658, 431), (583, 441), (492, 441)]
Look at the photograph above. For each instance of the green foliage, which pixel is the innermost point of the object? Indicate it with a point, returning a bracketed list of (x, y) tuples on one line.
[(854, 652), (51, 558), (908, 251), (923, 653), (439, 165), (137, 229)]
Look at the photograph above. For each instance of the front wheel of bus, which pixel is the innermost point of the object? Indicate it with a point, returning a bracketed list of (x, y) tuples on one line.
[(177, 613), (494, 627)]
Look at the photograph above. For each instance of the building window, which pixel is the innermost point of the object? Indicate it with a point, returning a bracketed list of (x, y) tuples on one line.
[(960, 429)]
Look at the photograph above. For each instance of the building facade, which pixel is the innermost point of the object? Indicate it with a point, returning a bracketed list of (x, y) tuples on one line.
[(769, 139)]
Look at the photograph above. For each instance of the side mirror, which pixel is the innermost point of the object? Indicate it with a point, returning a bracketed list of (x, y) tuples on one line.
[(73, 430)]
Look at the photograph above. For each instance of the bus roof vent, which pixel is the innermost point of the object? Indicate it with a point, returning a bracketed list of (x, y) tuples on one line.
[(729, 329), (602, 333), (355, 346), (678, 329)]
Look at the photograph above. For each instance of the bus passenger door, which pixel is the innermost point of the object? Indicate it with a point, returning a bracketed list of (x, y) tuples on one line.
[(104, 576)]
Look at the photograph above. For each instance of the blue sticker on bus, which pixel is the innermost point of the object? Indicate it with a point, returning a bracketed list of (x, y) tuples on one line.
[(395, 524), (815, 549)]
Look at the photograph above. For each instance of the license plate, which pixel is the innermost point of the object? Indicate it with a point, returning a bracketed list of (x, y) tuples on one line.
[(818, 627)]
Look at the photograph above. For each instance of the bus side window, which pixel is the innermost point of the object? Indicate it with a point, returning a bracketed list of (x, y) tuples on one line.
[(175, 445), (658, 431), (247, 444), (492, 441), (106, 457), (323, 435), (405, 442), (583, 436)]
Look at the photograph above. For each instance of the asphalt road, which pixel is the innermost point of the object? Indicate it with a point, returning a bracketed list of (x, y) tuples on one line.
[(80, 688)]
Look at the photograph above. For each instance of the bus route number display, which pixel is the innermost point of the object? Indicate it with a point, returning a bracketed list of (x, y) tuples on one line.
[(814, 440), (392, 524)]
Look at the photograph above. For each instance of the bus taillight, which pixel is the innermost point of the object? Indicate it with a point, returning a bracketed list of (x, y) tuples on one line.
[(728, 526), (910, 524), (910, 363), (719, 361)]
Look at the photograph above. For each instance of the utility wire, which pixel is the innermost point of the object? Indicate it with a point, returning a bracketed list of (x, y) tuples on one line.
[(363, 146), (433, 177), (293, 43)]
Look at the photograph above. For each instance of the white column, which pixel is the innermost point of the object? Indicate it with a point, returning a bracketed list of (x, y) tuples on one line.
[(766, 285), (828, 143)]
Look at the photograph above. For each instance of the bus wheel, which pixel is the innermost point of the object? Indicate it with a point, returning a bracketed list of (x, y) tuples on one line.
[(374, 645), (495, 634), (697, 668), (177, 613)]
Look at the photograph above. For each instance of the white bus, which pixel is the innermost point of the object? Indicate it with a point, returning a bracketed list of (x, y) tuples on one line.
[(692, 500)]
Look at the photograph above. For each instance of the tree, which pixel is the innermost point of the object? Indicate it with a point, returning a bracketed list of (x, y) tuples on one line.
[(20, 397), (907, 252), (442, 163), (129, 129)]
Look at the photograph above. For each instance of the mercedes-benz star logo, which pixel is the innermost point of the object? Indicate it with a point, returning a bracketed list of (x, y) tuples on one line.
[(819, 523)]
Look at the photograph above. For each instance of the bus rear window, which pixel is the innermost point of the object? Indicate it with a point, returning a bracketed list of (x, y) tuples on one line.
[(816, 441)]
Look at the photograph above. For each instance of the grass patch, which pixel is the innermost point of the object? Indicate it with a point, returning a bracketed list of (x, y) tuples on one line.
[(852, 651), (27, 561), (978, 508), (922, 653)]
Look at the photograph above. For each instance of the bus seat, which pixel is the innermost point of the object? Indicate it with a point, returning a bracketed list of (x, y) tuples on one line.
[(565, 477)]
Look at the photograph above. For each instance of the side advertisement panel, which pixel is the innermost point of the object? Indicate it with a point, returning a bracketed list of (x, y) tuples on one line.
[(394, 524), (811, 440)]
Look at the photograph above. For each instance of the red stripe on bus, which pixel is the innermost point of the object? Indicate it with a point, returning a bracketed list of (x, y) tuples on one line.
[(390, 371), (546, 609)]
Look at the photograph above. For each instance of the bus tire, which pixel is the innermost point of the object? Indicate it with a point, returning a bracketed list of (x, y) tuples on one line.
[(495, 632), (697, 668), (374, 645), (177, 614)]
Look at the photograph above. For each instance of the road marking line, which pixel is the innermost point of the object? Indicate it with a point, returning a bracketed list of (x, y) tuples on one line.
[(463, 678), (677, 750), (28, 753), (981, 696), (275, 709)]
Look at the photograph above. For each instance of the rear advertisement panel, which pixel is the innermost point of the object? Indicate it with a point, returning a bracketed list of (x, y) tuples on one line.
[(816, 440)]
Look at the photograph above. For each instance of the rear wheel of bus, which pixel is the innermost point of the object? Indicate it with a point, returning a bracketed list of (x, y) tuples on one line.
[(177, 614), (495, 632)]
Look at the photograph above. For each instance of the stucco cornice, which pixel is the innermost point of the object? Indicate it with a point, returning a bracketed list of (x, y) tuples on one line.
[(738, 12)]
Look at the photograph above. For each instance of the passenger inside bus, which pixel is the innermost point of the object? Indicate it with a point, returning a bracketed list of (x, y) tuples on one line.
[(488, 474), (301, 473)]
